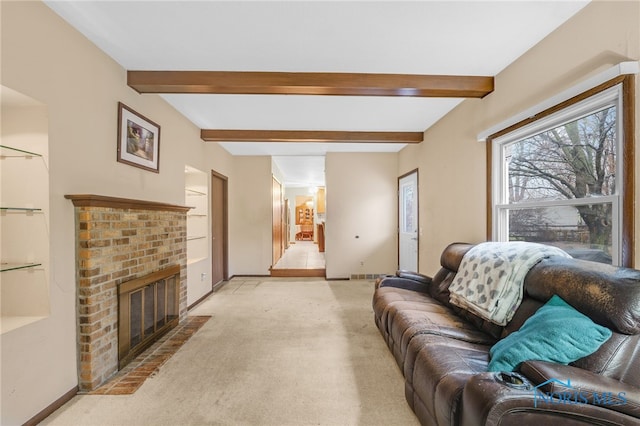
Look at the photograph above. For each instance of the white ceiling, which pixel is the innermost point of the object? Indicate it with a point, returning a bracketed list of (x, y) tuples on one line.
[(414, 37)]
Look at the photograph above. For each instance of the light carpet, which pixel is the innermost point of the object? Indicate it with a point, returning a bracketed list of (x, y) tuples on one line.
[(275, 352)]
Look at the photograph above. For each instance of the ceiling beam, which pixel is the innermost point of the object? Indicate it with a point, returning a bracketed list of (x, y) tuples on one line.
[(214, 135), (310, 83)]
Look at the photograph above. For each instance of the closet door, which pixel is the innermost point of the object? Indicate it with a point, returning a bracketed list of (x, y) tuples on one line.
[(219, 255)]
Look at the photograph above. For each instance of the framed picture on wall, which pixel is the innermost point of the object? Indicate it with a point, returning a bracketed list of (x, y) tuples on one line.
[(138, 140)]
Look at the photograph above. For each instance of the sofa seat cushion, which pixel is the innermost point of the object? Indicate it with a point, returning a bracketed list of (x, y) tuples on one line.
[(439, 375), (385, 297), (422, 341), (388, 300), (400, 318), (409, 321)]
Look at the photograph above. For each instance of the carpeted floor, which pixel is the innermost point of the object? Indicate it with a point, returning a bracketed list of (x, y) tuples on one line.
[(275, 352)]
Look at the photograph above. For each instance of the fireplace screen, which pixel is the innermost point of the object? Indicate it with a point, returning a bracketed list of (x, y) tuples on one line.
[(148, 308)]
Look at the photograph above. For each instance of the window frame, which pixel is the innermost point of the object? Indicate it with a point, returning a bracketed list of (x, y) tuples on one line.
[(624, 86)]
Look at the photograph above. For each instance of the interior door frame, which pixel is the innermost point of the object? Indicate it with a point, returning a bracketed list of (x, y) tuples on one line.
[(277, 245), (417, 173), (225, 227)]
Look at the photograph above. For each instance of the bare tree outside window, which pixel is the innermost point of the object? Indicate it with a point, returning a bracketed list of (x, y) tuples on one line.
[(576, 160), (562, 172)]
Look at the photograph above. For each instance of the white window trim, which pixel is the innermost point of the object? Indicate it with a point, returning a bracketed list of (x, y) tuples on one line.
[(499, 180)]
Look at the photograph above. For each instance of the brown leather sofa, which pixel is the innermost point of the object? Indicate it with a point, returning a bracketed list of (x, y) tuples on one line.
[(443, 350)]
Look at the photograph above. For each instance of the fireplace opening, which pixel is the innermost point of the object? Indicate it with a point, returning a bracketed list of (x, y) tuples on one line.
[(148, 308)]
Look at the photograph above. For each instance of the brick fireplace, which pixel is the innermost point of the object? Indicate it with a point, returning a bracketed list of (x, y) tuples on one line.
[(117, 241)]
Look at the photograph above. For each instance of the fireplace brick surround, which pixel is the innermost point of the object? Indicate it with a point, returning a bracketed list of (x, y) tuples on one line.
[(118, 240)]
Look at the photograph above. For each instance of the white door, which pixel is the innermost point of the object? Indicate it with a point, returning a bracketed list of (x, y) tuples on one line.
[(408, 222)]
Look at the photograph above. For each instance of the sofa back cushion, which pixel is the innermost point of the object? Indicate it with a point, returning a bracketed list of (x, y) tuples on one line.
[(439, 288), (450, 260), (609, 295), (618, 358), (452, 255)]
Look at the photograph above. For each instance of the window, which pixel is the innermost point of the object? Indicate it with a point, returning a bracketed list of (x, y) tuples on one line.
[(565, 177)]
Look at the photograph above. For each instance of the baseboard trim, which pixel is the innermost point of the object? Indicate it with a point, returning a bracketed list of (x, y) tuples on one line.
[(248, 276), (197, 302), (218, 286), (52, 407)]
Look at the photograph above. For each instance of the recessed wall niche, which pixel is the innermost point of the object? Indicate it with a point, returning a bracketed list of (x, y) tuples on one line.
[(196, 194), (24, 210)]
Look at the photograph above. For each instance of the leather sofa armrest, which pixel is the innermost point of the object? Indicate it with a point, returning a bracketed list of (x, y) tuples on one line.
[(415, 276), (419, 283), (584, 385), (488, 400)]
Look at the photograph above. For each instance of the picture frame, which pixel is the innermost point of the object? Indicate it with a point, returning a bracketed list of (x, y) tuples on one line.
[(138, 140)]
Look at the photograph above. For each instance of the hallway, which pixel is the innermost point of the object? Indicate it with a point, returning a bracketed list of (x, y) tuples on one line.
[(302, 259)]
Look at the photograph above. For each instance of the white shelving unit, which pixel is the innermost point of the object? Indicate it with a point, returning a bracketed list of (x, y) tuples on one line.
[(196, 195), (24, 233), (197, 224)]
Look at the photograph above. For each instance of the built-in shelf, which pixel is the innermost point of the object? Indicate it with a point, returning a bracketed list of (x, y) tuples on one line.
[(19, 152), (20, 209), (13, 266), (195, 260), (193, 192), (196, 193), (8, 323)]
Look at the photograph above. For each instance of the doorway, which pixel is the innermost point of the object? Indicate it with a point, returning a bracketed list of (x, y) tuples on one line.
[(304, 254), (408, 221), (219, 225)]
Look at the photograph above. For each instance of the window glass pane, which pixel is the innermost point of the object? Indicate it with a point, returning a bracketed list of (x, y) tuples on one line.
[(584, 231), (408, 200), (574, 160)]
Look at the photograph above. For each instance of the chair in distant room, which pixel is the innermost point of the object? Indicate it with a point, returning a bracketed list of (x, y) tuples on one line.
[(306, 232)]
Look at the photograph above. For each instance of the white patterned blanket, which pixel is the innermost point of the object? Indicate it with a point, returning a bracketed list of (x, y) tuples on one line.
[(491, 275)]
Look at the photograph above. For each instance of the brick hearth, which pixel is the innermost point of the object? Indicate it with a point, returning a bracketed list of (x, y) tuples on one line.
[(118, 240)]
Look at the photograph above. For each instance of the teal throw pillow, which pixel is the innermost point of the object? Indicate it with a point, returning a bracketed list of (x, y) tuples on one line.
[(556, 333)]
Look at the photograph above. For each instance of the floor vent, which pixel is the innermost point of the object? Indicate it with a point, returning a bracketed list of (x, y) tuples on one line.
[(365, 276)]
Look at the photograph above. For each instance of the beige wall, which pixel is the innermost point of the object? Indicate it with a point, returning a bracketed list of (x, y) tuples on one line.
[(49, 61), (452, 162), (361, 201), (250, 216)]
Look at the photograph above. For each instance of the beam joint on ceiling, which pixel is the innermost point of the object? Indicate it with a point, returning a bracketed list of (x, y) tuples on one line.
[(309, 83), (305, 136)]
